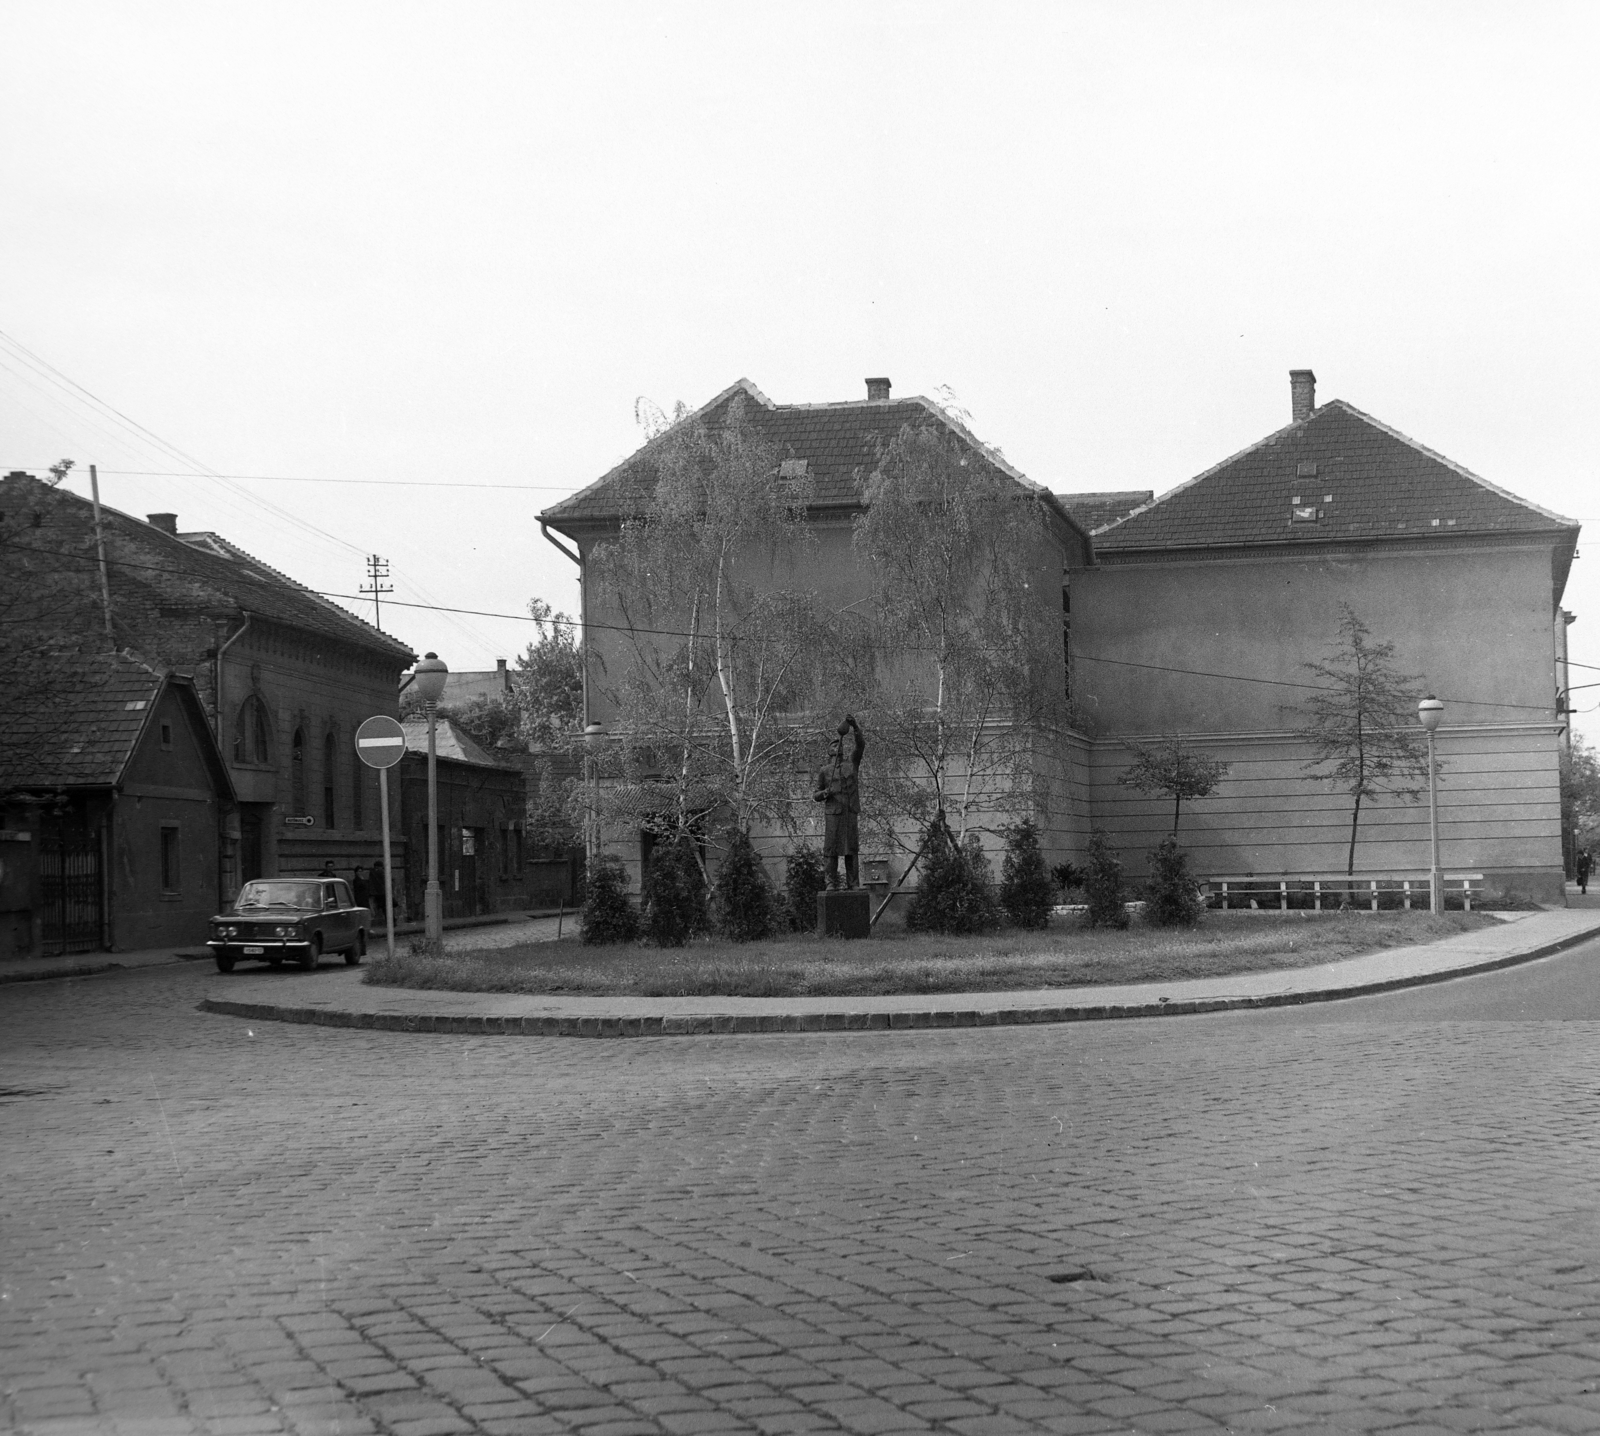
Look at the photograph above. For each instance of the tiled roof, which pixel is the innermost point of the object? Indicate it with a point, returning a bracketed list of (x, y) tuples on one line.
[(1095, 511), (262, 589), (197, 570), (1347, 475), (839, 442), (78, 720), (448, 742)]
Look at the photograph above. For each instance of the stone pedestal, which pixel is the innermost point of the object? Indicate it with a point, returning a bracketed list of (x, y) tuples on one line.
[(845, 913)]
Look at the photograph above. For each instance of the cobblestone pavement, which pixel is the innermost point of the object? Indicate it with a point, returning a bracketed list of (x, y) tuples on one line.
[(1366, 1218)]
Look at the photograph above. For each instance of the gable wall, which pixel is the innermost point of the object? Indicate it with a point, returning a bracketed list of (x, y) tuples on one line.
[(1473, 623)]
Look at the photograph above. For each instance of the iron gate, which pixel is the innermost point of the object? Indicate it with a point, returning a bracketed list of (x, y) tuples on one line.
[(69, 880)]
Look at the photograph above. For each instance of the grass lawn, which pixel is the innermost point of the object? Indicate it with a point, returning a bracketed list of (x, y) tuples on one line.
[(893, 960)]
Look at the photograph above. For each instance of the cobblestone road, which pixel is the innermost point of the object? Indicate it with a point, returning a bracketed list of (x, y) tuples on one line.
[(1352, 1219)]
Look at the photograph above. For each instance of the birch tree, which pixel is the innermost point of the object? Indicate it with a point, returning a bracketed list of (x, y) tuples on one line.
[(721, 632), (967, 657)]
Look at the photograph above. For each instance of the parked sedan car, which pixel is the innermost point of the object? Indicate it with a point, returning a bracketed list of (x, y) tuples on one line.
[(278, 919)]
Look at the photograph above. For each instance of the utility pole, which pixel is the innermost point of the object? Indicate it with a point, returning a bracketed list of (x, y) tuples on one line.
[(377, 571), (100, 550)]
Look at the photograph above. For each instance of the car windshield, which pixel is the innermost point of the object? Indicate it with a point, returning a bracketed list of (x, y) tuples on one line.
[(280, 894)]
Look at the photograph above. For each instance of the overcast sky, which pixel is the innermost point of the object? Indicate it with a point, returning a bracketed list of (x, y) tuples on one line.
[(452, 243)]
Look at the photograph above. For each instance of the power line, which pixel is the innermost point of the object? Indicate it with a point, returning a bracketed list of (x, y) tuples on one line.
[(381, 483)]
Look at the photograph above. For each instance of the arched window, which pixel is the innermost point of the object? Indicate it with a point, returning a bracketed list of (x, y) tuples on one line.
[(297, 783), (251, 743), (330, 756)]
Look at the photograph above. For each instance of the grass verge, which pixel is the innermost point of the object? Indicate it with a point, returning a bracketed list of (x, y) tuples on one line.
[(1066, 955)]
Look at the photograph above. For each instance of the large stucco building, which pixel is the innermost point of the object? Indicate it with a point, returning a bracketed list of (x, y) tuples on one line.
[(1193, 615)]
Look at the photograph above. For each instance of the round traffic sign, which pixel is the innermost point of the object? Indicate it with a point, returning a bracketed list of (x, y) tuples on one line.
[(380, 742)]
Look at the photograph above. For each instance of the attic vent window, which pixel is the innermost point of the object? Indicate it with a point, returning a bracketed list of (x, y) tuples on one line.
[(1303, 514), (1327, 498), (1305, 471), (137, 705), (793, 468), (1436, 523), (1295, 499)]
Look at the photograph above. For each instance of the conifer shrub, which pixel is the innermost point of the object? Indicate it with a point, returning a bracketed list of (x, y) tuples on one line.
[(1068, 876), (675, 907), (608, 916), (1026, 891), (954, 894), (804, 878), (743, 896), (1173, 894), (1102, 883)]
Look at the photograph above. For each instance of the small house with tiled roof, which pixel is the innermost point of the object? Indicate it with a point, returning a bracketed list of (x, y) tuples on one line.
[(285, 675), (1202, 607), (484, 862), (113, 802)]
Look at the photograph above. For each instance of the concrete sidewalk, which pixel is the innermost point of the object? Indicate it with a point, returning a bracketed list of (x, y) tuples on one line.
[(338, 998)]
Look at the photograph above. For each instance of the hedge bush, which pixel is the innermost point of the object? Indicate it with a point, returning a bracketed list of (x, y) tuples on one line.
[(954, 894), (805, 877), (1173, 895), (743, 896), (1102, 883), (675, 907), (608, 916), (1026, 892)]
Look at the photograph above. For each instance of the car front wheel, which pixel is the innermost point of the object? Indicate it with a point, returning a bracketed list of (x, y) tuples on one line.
[(313, 953)]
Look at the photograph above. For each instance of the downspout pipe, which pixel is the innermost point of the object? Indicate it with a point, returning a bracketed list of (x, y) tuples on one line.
[(583, 609), (217, 680)]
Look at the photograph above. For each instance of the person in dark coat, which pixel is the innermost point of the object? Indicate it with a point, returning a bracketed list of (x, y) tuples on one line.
[(377, 889), (361, 887), (838, 788), (1584, 866)]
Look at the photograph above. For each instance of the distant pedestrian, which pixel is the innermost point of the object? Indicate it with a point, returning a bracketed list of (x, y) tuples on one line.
[(1585, 866), (360, 886), (327, 870), (378, 888)]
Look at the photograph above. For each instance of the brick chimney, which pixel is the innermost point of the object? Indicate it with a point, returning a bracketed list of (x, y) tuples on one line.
[(877, 390), (502, 675), (1302, 394), (167, 523)]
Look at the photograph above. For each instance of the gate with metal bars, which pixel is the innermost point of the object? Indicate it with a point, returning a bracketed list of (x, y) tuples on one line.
[(69, 880)]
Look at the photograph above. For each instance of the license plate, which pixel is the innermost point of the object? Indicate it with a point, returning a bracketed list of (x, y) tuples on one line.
[(254, 951)]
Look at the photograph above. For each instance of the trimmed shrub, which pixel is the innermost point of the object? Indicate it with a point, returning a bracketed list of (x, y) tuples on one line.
[(1068, 875), (954, 894), (1026, 892), (608, 916), (1102, 883), (743, 896), (805, 877), (1173, 894), (675, 906)]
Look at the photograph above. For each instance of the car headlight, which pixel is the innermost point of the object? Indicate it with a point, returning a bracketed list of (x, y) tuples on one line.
[(288, 931)]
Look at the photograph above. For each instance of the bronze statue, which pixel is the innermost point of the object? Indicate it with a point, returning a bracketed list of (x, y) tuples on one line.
[(838, 788)]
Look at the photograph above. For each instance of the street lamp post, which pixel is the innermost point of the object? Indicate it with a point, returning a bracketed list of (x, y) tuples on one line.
[(1431, 711), (428, 678), (593, 735)]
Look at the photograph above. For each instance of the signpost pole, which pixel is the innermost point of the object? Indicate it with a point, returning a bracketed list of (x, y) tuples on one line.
[(388, 861)]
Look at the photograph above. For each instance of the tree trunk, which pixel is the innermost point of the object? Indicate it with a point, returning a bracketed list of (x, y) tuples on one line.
[(1350, 865)]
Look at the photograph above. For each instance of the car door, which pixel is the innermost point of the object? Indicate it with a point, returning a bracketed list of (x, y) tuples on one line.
[(337, 926)]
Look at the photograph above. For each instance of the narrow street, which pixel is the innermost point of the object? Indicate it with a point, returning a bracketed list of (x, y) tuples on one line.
[(1371, 1215)]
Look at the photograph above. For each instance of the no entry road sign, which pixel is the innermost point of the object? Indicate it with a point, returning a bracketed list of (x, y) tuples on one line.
[(380, 742)]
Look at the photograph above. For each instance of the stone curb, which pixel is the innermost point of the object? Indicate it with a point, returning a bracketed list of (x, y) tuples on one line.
[(713, 1024)]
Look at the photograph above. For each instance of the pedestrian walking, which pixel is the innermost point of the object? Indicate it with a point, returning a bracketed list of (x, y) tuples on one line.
[(378, 888), (1584, 866), (360, 886)]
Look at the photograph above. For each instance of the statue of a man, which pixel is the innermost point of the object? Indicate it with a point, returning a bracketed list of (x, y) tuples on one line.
[(838, 788)]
